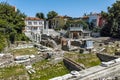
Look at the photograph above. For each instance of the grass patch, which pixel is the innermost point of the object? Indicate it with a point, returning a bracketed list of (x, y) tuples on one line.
[(46, 70), (110, 50), (89, 60), (12, 71), (25, 51)]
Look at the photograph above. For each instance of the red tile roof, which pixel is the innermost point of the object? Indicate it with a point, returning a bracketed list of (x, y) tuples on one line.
[(62, 16), (85, 17), (32, 18)]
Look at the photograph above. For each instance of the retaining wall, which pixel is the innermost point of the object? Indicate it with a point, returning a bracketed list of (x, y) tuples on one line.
[(71, 65), (105, 57)]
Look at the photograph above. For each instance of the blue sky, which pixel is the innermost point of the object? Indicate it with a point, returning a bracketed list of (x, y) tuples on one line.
[(74, 8)]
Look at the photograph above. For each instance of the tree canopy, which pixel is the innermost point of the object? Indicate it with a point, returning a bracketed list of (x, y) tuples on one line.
[(51, 14), (112, 27), (76, 23), (40, 15), (11, 23)]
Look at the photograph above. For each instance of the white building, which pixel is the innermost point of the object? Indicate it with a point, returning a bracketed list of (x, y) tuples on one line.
[(94, 18), (34, 27)]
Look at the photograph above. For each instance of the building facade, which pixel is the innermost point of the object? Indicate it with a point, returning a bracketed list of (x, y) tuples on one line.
[(59, 21), (34, 27), (95, 19), (78, 33)]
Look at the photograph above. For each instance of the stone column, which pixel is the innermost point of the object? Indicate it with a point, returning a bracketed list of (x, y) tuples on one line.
[(72, 35), (89, 34), (82, 34), (46, 24), (78, 35), (31, 36), (35, 37), (69, 35), (40, 37), (47, 27), (69, 44)]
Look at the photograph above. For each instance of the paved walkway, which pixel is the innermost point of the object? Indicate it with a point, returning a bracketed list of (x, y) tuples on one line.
[(98, 72)]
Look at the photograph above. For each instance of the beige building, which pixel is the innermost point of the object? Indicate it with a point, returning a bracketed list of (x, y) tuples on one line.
[(59, 21)]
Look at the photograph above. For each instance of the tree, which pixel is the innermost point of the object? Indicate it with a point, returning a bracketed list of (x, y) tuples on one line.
[(113, 21), (13, 19), (40, 15), (11, 23), (51, 14), (12, 37), (85, 14), (72, 22)]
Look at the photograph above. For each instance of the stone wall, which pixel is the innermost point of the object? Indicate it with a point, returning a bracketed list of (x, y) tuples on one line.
[(71, 65), (105, 57)]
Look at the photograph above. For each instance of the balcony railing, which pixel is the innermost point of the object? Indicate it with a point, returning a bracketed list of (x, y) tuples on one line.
[(76, 29)]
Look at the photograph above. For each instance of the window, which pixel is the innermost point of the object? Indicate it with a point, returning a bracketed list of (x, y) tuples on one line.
[(94, 20), (29, 27), (40, 23), (29, 23), (35, 28), (35, 23)]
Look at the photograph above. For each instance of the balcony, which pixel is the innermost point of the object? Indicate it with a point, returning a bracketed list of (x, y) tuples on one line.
[(76, 29)]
